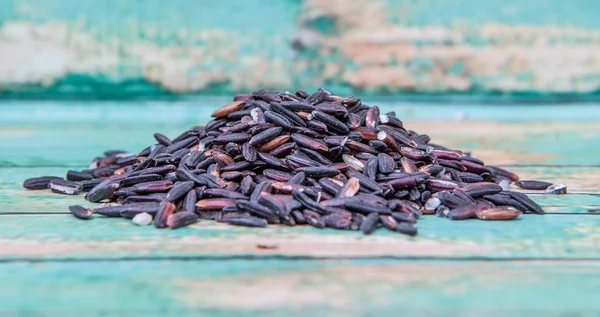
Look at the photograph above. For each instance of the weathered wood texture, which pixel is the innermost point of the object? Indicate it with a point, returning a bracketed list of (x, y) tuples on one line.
[(300, 288), (123, 48), (531, 237), (71, 133), (436, 46), (537, 264)]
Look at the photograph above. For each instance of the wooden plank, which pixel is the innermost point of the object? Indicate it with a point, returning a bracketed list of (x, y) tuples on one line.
[(218, 268), (578, 179), (533, 236), (300, 288), (51, 134), (91, 129), (218, 51), (14, 198), (73, 111)]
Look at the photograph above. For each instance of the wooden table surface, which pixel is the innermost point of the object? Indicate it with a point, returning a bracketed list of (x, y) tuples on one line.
[(54, 264)]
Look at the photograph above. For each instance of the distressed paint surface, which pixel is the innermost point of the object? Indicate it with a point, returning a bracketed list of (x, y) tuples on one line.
[(37, 132), (531, 237), (474, 47), (143, 48), (300, 288), (139, 48), (537, 265)]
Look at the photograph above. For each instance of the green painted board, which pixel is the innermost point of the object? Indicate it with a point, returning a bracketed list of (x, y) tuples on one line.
[(65, 134), (535, 265), (531, 236), (300, 288)]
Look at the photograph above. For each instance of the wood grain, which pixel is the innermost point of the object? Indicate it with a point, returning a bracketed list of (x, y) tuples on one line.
[(532, 236), (534, 265), (65, 134), (297, 288)]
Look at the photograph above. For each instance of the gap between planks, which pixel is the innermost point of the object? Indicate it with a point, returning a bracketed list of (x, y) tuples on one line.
[(280, 257)]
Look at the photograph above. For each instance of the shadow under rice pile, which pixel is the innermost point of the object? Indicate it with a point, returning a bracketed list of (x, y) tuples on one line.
[(295, 159)]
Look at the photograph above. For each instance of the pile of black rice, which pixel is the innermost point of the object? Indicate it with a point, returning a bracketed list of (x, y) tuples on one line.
[(294, 159)]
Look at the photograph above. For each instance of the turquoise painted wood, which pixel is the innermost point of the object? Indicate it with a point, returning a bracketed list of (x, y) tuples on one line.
[(57, 264), (71, 133), (531, 237), (124, 48), (300, 288)]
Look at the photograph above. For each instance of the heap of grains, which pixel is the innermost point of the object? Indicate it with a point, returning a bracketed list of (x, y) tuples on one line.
[(295, 159)]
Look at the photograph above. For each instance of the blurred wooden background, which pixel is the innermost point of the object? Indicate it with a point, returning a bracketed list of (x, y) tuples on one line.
[(115, 48)]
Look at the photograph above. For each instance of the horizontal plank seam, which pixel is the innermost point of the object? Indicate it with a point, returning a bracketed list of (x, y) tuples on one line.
[(569, 194), (252, 257), (44, 166), (16, 213)]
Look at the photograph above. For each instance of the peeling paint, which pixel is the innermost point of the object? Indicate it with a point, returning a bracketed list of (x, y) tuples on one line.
[(43, 54), (377, 56), (141, 47)]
